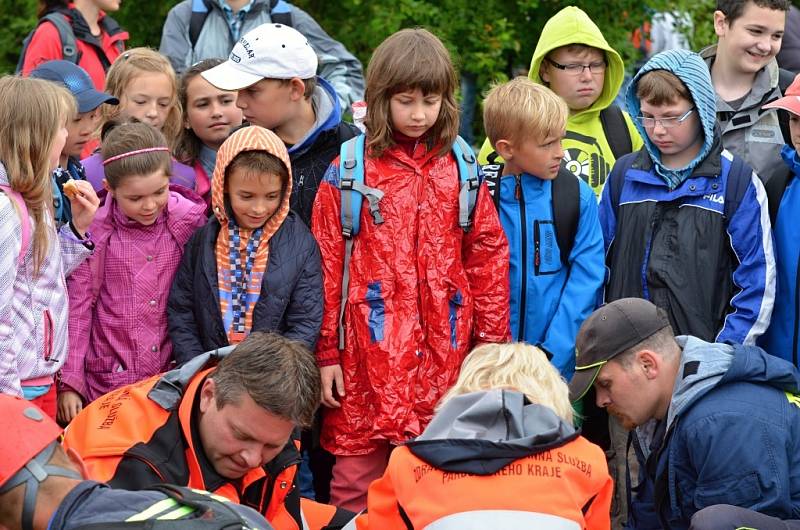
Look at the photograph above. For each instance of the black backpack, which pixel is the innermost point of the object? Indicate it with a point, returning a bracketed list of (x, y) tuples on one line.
[(208, 511), (566, 197), (66, 34), (279, 11)]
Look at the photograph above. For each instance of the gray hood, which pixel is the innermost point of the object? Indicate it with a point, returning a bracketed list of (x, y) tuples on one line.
[(481, 432)]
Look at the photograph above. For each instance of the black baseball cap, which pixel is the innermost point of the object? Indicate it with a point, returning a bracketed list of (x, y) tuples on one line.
[(609, 331), (77, 81)]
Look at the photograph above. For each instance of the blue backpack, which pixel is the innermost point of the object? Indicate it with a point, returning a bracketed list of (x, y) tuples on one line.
[(354, 190)]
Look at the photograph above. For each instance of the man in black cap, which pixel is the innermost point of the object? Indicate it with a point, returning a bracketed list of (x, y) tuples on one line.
[(713, 423)]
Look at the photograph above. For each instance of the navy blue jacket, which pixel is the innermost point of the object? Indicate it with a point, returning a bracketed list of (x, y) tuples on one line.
[(731, 436), (290, 302), (92, 503)]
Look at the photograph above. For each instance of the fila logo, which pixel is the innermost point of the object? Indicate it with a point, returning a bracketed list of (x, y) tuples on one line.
[(715, 197)]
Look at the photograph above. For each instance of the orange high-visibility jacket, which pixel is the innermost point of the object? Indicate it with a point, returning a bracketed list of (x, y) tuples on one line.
[(140, 435), (555, 480)]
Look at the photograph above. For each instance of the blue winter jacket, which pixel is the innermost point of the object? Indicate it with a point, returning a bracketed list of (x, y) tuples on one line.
[(781, 339), (549, 300), (731, 436), (670, 238)]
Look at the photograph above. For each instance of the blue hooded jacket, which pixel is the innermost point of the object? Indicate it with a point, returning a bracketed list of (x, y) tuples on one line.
[(731, 436), (671, 238), (781, 339), (549, 299)]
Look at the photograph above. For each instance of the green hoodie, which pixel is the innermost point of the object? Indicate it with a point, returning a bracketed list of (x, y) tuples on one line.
[(586, 151)]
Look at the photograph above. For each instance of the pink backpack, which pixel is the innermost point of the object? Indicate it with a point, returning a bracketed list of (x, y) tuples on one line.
[(26, 222)]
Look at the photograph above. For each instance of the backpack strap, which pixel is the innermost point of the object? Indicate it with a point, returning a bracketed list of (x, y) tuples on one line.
[(281, 12), (739, 176), (112, 27), (616, 180), (775, 188), (616, 131), (785, 78), (470, 182), (352, 187), (197, 20), (566, 196), (492, 172), (352, 190), (25, 221), (69, 45)]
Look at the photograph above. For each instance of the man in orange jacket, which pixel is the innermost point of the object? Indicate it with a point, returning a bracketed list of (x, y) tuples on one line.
[(226, 428)]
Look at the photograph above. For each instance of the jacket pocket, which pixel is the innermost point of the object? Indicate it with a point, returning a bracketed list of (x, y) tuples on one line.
[(377, 311), (456, 304), (47, 339), (738, 491), (546, 254)]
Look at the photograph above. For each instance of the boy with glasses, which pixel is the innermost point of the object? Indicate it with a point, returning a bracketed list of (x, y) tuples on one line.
[(686, 222), (573, 59)]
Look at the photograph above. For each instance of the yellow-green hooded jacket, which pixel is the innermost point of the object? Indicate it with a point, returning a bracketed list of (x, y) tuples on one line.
[(586, 151)]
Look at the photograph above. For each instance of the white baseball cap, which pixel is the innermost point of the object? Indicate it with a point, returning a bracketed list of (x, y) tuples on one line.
[(270, 51)]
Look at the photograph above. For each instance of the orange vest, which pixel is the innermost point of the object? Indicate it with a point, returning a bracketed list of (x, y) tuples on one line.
[(565, 488), (122, 424)]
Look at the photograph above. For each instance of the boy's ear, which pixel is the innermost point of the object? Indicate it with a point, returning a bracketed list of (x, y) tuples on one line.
[(720, 23), (504, 149), (298, 88), (544, 71), (107, 187)]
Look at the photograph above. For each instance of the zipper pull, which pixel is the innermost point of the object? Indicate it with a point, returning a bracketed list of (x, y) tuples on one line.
[(517, 188), (536, 257)]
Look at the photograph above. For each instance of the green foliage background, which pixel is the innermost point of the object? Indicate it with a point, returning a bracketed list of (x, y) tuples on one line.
[(487, 38)]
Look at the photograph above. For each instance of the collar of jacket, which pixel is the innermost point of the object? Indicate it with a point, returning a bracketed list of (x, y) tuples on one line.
[(710, 166)]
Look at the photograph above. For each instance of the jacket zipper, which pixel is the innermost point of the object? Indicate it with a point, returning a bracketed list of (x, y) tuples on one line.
[(148, 463), (796, 311), (524, 241), (48, 334)]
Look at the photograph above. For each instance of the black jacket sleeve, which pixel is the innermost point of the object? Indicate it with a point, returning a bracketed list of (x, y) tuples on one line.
[(182, 321)]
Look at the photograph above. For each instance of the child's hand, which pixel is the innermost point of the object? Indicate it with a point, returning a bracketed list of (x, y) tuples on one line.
[(69, 405), (331, 375), (84, 205)]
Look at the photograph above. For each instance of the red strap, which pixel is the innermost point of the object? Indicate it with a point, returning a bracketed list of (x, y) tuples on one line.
[(25, 221)]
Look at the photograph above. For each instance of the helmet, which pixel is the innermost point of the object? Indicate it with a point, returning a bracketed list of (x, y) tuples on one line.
[(26, 431), (29, 440)]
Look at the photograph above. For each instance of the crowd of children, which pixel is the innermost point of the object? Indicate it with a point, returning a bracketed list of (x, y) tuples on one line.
[(237, 199)]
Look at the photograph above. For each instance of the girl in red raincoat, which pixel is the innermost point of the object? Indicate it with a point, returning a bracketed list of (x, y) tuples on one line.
[(422, 291)]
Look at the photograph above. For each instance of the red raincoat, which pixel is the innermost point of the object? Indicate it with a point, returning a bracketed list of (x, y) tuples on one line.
[(422, 293)]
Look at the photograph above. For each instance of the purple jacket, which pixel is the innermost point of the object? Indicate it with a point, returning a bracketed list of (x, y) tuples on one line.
[(182, 174), (118, 297)]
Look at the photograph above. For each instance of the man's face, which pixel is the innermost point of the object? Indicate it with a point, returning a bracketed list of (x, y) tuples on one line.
[(623, 391), (752, 40), (240, 436), (579, 90)]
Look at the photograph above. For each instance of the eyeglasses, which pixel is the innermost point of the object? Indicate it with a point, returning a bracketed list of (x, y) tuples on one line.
[(595, 68), (667, 123)]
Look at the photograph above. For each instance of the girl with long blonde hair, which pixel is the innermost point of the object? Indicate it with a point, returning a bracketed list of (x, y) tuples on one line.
[(34, 258), (147, 88)]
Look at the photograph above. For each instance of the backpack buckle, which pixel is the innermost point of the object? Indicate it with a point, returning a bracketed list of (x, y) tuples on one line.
[(346, 184)]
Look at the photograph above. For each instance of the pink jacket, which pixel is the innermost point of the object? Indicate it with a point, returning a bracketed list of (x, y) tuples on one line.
[(118, 321)]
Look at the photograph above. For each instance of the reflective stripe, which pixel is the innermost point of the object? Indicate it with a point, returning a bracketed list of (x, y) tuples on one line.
[(176, 514), (502, 520), (152, 511)]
